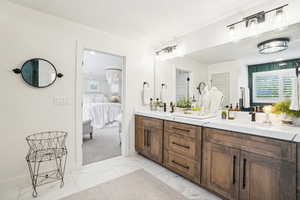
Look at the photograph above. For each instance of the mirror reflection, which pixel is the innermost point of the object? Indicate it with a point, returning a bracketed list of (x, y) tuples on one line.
[(38, 73), (235, 75)]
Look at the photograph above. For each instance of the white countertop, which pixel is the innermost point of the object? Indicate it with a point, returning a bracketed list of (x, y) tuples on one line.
[(276, 131), (254, 128)]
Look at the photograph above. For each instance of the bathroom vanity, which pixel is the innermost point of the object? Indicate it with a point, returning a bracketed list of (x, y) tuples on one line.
[(236, 165)]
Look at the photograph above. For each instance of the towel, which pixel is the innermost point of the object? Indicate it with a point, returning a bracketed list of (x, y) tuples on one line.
[(295, 101), (163, 94), (146, 95), (246, 98)]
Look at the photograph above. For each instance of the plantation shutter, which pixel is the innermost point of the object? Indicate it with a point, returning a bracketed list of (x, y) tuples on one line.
[(272, 86)]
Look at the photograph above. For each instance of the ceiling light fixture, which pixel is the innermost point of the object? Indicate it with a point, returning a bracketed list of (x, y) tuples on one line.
[(273, 46)]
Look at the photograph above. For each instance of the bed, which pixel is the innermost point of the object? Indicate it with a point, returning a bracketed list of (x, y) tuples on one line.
[(101, 114)]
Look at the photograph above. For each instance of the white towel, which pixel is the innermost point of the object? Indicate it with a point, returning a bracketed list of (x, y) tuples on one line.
[(246, 98), (295, 101), (146, 95), (163, 94)]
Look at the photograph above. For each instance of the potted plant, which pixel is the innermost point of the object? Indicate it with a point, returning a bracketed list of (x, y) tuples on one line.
[(183, 104), (287, 115)]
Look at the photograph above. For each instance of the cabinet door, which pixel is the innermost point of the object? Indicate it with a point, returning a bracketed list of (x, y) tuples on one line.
[(265, 178), (154, 141), (140, 136), (220, 171)]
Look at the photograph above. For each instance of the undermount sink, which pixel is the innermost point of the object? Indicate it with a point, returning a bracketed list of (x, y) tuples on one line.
[(193, 115), (254, 125)]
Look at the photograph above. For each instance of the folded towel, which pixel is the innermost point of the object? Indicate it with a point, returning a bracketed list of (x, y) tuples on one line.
[(246, 98), (295, 103), (146, 95)]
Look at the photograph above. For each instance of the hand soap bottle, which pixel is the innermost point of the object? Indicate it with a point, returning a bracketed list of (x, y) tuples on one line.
[(231, 113)]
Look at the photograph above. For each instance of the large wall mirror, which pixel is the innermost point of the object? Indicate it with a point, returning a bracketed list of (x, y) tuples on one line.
[(238, 69), (38, 72)]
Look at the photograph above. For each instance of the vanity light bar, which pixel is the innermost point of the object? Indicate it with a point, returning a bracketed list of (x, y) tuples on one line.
[(168, 49), (259, 17)]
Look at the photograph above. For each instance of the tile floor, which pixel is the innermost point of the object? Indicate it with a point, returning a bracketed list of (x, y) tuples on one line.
[(101, 172)]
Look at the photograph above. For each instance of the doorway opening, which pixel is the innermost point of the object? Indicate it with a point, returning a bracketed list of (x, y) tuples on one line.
[(101, 106)]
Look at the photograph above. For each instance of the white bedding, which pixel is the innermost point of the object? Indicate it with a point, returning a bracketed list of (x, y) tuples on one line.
[(101, 114)]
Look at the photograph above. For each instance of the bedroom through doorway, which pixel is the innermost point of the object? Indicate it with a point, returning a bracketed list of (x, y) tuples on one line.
[(101, 106)]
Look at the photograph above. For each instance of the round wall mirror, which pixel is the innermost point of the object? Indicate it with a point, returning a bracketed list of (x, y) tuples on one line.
[(38, 72)]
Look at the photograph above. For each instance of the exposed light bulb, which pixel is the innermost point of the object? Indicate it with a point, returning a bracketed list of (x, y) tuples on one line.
[(279, 14), (232, 31), (253, 26), (279, 19), (252, 23)]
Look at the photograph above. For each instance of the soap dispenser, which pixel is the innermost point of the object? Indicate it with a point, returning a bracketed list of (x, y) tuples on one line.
[(231, 113)]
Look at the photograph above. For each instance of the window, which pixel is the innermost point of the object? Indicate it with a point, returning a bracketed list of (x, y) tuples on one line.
[(272, 86), (271, 82)]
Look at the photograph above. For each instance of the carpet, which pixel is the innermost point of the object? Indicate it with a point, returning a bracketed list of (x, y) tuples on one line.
[(138, 185), (104, 145)]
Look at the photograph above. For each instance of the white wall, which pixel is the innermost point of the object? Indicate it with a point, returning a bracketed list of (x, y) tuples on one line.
[(238, 77), (25, 34), (166, 73)]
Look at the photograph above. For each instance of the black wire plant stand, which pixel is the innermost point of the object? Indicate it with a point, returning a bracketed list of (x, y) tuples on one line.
[(46, 148)]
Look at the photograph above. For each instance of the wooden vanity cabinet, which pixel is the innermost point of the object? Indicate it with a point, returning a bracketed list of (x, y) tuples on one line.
[(233, 165), (149, 138), (231, 169)]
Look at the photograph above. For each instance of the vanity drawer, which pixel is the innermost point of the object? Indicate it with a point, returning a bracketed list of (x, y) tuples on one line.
[(183, 166), (181, 129), (183, 145), (264, 146), (141, 122), (151, 122)]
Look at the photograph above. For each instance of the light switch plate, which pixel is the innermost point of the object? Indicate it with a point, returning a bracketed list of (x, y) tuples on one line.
[(61, 101)]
